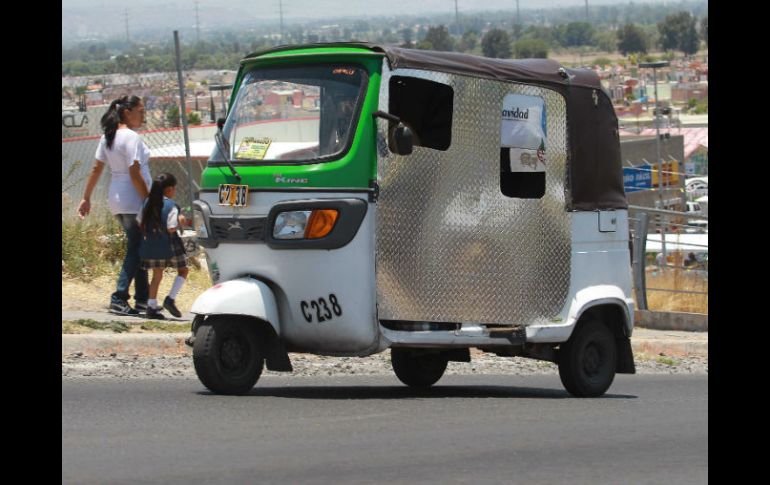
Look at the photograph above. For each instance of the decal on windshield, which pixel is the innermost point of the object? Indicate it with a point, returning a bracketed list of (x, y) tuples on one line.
[(253, 149)]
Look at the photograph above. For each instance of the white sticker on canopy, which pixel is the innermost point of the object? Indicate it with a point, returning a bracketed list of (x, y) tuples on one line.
[(523, 123), (523, 160), (523, 131)]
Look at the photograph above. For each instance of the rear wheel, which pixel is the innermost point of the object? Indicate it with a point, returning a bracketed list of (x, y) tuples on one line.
[(418, 368), (227, 356), (588, 359)]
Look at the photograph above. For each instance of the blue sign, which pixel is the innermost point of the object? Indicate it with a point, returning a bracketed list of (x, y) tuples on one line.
[(635, 179)]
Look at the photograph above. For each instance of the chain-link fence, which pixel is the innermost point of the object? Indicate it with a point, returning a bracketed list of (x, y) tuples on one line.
[(670, 260), (162, 133)]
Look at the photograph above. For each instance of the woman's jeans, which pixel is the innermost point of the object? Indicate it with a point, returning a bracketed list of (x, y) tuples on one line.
[(131, 269)]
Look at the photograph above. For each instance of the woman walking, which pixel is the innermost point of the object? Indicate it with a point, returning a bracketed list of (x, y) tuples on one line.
[(128, 156)]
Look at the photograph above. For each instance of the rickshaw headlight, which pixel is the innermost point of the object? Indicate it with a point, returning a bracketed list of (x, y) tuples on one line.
[(199, 224), (291, 225), (305, 224)]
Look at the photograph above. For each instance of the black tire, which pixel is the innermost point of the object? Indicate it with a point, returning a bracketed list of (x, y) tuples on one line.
[(227, 355), (417, 368), (587, 361)]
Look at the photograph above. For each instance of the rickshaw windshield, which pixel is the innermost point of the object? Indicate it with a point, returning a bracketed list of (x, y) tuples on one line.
[(296, 113)]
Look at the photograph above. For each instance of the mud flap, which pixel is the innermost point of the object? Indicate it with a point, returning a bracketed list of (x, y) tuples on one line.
[(625, 357), (276, 356)]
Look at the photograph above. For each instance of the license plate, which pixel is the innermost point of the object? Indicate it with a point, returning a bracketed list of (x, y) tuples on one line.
[(233, 195)]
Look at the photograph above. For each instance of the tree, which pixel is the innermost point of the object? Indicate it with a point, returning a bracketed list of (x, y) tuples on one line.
[(468, 41), (531, 49), (631, 39), (578, 33), (606, 41), (437, 39), (406, 34), (496, 43), (689, 41), (677, 32)]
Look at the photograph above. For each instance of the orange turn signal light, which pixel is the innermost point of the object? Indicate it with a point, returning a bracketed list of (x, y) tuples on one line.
[(321, 223)]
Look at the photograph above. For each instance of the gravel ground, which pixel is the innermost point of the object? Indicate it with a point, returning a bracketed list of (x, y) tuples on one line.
[(143, 367)]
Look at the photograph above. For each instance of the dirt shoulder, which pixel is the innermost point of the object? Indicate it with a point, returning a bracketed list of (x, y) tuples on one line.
[(94, 295)]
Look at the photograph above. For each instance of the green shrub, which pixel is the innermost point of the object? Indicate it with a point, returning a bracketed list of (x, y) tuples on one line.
[(91, 247)]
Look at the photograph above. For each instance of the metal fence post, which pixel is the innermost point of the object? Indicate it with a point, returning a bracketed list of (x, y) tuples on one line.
[(663, 227), (640, 244), (183, 113)]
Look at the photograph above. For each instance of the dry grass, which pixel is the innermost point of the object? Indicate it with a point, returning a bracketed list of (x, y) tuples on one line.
[(82, 326), (677, 279), (94, 294)]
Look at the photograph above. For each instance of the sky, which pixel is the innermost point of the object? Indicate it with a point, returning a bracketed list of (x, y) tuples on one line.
[(91, 18)]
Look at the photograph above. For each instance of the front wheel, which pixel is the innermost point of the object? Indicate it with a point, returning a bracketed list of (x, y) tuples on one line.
[(588, 359), (417, 368), (227, 356)]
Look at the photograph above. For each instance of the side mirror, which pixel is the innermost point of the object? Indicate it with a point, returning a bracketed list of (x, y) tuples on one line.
[(220, 123), (402, 136)]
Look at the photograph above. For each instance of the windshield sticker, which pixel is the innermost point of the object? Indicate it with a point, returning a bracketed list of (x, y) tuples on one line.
[(523, 131), (345, 71), (253, 149)]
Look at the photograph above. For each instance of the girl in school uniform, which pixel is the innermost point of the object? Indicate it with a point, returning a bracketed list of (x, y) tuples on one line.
[(161, 245)]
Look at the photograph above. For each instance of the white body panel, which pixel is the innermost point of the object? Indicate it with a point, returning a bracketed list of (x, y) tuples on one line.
[(307, 275), (243, 296), (600, 273)]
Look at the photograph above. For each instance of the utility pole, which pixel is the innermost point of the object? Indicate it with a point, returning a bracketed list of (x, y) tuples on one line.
[(518, 15), (655, 66), (280, 10), (197, 24), (457, 17), (586, 10), (128, 39), (183, 112)]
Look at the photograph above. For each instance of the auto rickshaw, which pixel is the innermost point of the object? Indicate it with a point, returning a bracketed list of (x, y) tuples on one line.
[(365, 197)]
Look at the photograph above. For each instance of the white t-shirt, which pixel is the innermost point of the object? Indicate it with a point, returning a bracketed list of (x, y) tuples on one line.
[(171, 222), (127, 147)]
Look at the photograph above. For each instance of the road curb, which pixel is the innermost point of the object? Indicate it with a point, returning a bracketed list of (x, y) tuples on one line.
[(102, 345)]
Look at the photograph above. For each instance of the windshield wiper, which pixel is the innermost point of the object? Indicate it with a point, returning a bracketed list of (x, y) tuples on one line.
[(219, 138)]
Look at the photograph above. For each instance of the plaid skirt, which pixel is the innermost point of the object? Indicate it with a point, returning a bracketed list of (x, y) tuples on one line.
[(178, 260)]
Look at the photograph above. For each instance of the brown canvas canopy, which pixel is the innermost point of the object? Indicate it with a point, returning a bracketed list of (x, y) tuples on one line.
[(594, 171)]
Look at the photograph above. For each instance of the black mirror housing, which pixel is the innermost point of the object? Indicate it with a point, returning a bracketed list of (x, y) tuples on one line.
[(404, 140), (220, 123)]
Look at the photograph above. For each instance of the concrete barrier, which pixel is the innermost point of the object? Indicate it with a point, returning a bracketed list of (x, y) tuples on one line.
[(690, 322)]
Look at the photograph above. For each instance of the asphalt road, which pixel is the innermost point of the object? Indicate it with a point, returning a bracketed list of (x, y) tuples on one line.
[(371, 429)]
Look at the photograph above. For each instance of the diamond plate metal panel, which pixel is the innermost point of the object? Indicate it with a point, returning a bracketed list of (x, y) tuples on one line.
[(450, 246)]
